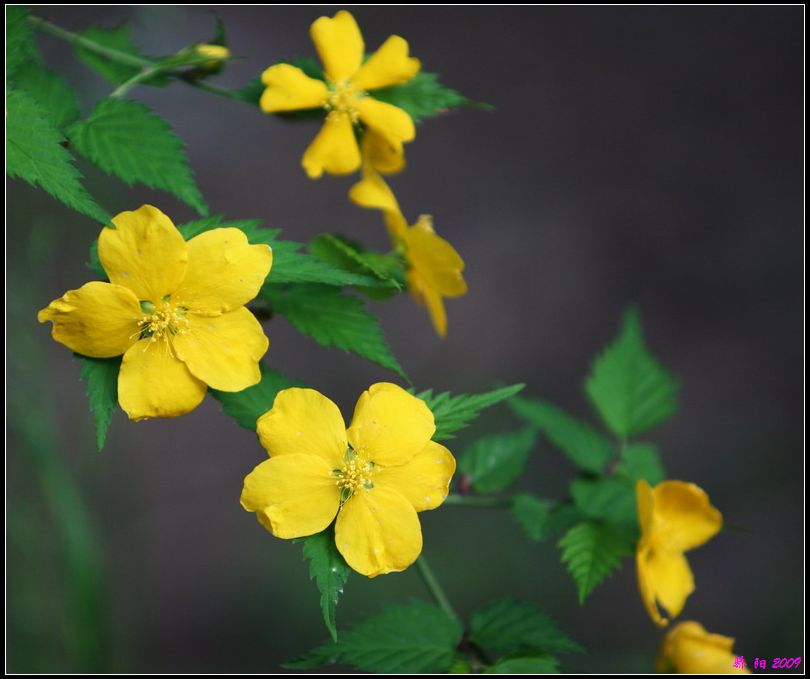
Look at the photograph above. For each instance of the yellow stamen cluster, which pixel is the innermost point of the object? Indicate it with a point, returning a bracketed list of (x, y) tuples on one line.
[(158, 323), (356, 473), (342, 99)]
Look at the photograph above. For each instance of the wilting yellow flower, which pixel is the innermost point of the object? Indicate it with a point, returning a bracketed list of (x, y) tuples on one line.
[(173, 309), (345, 95), (375, 476), (689, 649), (675, 517), (434, 266)]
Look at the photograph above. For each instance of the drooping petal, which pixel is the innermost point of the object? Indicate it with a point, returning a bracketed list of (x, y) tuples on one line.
[(334, 150), (390, 426), (424, 481), (389, 65), (223, 351), (377, 531), (382, 155), (667, 580), (387, 120), (644, 504), (292, 495), (424, 294), (683, 517), (224, 271), (98, 320), (646, 585), (144, 252), (339, 44), (438, 263), (304, 421), (290, 89), (154, 383), (373, 192), (689, 649)]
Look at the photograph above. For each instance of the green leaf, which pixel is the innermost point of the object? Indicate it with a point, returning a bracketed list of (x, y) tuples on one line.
[(592, 551), (21, 49), (333, 320), (642, 461), (630, 389), (509, 626), (611, 500), (330, 572), (540, 664), (250, 404), (125, 139), (541, 519), (582, 444), (456, 412), (101, 377), (35, 154), (349, 256), (117, 38), (494, 462), (415, 638), (424, 97), (51, 91)]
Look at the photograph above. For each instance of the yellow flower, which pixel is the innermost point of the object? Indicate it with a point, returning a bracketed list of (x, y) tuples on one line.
[(375, 476), (434, 266), (675, 517), (217, 53), (173, 309), (689, 649), (345, 95)]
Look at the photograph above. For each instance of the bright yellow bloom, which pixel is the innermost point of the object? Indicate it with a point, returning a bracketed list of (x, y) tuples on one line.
[(173, 309), (434, 266), (689, 649), (375, 476), (345, 95), (675, 517)]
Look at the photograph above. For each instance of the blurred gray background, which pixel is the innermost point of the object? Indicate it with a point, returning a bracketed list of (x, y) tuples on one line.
[(648, 155)]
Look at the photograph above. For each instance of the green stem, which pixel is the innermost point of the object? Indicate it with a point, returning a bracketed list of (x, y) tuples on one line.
[(435, 588), (477, 501), (137, 79)]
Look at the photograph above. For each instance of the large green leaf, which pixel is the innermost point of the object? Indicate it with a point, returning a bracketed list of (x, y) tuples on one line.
[(496, 461), (51, 91), (424, 96), (611, 500), (126, 139), (534, 664), (415, 638), (101, 377), (581, 443), (630, 389), (250, 404), (329, 571), (34, 153), (21, 50)]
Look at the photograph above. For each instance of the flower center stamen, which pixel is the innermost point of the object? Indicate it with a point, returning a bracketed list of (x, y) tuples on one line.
[(342, 100), (159, 323), (355, 475)]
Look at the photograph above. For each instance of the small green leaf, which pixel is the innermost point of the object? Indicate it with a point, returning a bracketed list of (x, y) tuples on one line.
[(582, 444), (126, 139), (542, 519), (424, 97), (415, 638), (350, 256), (536, 664), (630, 389), (330, 572), (250, 404), (21, 49), (51, 91), (333, 319), (642, 461), (101, 377), (34, 153), (119, 39), (494, 462), (592, 551), (456, 412), (611, 500), (509, 626)]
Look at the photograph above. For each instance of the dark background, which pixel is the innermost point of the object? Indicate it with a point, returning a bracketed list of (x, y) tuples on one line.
[(648, 155)]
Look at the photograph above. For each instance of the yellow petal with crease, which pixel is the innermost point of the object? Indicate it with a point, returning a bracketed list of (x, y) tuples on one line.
[(683, 517), (423, 293), (669, 581), (382, 155), (334, 150), (154, 383), (304, 421), (390, 426), (98, 320), (339, 44), (438, 263), (389, 65), (424, 481), (377, 531), (292, 495), (223, 351), (387, 120), (144, 252), (224, 271), (288, 88), (689, 649)]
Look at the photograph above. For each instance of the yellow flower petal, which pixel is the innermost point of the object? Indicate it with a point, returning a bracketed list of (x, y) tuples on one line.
[(292, 495), (377, 531), (387, 120), (144, 252), (224, 271), (304, 421), (98, 320), (153, 383), (290, 89), (424, 294), (339, 44), (334, 149), (373, 192), (667, 580), (424, 481), (382, 155), (644, 504), (390, 426), (389, 65), (689, 649), (223, 351), (683, 517), (437, 262)]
